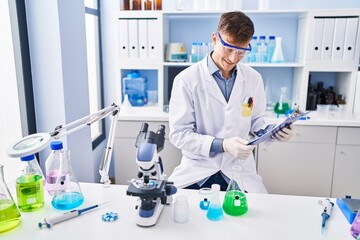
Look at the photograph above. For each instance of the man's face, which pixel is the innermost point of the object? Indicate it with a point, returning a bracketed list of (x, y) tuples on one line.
[(226, 52)]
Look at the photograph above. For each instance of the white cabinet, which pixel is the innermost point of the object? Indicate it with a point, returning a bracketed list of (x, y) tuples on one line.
[(302, 166), (125, 150), (300, 30), (347, 164)]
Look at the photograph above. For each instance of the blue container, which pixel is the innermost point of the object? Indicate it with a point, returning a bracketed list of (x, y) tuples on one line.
[(136, 88)]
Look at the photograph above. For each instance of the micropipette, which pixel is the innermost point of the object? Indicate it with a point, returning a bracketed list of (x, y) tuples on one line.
[(326, 212), (49, 222)]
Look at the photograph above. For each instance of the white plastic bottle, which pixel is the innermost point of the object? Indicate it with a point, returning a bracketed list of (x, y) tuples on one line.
[(270, 48), (262, 50), (253, 52)]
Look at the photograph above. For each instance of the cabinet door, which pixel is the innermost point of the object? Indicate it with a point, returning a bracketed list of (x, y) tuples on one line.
[(297, 168), (346, 171)]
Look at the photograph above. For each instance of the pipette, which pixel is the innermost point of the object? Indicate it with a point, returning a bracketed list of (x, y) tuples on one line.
[(49, 222), (325, 213)]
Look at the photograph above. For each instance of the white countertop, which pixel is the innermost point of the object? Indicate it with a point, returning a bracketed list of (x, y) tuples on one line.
[(154, 114), (269, 217)]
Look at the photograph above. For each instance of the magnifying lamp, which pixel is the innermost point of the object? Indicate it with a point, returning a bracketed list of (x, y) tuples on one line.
[(34, 143)]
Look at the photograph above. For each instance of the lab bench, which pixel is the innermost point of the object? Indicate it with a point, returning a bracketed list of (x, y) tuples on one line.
[(269, 217)]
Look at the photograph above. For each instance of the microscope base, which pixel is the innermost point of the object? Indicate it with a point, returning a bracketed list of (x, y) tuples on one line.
[(152, 220)]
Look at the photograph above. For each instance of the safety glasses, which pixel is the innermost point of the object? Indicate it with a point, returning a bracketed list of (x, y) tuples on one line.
[(230, 49)]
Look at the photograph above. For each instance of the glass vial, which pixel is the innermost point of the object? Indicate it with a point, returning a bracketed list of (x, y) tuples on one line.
[(135, 4), (215, 212), (148, 5), (9, 213), (52, 166), (30, 185), (235, 203), (125, 5), (277, 56), (67, 193), (158, 5)]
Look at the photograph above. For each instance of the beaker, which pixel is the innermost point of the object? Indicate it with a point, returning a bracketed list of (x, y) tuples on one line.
[(235, 202), (355, 226), (282, 107), (9, 213), (205, 194), (215, 212), (68, 193), (30, 185)]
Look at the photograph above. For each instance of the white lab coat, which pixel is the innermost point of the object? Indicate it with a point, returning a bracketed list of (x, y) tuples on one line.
[(198, 112)]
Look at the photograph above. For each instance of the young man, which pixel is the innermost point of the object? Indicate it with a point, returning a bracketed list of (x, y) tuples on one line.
[(215, 104)]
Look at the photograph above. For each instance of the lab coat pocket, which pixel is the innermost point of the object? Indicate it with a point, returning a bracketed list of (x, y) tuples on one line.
[(246, 110)]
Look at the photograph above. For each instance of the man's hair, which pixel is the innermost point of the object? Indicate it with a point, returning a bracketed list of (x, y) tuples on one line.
[(237, 25)]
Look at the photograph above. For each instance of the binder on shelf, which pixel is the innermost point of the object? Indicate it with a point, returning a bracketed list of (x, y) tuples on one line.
[(133, 38), (153, 40), (350, 38), (317, 38), (339, 36), (123, 33), (143, 38), (328, 37)]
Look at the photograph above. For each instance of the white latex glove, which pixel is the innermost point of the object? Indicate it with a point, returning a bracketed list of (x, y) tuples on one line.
[(284, 134), (238, 147)]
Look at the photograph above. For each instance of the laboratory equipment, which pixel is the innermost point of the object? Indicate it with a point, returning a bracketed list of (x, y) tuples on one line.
[(52, 165), (175, 52), (235, 202), (325, 215), (262, 50), (181, 209), (278, 56), (270, 104), (355, 226), (49, 222), (205, 194), (30, 185), (282, 107), (349, 207), (153, 190), (38, 141), (67, 194), (135, 86), (10, 215), (215, 212), (271, 48)]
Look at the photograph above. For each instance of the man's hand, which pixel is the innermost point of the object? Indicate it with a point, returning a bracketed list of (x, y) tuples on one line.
[(238, 147), (284, 134)]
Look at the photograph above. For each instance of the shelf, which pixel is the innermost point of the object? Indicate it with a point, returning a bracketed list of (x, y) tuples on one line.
[(286, 64)]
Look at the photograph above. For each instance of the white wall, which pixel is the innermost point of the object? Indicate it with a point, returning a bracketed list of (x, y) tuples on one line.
[(10, 124)]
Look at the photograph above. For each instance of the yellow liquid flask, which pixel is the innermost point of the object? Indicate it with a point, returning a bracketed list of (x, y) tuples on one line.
[(9, 213), (235, 203), (67, 193), (30, 185)]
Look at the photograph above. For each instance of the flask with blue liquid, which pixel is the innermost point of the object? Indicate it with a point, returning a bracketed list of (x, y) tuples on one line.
[(215, 212), (67, 191)]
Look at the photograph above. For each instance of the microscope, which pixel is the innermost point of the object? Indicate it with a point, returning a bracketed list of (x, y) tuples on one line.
[(153, 190)]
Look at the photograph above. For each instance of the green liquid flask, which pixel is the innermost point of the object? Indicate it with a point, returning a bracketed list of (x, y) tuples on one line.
[(67, 192), (9, 213), (30, 185), (235, 203), (282, 107)]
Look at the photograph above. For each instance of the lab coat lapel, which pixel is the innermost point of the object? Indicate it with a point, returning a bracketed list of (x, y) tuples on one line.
[(212, 86), (238, 88)]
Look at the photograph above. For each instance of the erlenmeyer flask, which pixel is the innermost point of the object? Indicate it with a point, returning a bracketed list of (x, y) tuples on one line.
[(215, 212), (67, 194), (235, 202), (9, 213)]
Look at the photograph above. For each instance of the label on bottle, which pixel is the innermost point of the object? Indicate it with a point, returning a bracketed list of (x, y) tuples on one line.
[(31, 200)]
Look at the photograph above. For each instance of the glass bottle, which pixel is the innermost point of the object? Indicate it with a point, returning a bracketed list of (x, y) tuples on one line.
[(235, 203), (30, 185), (277, 56), (52, 166), (215, 212), (271, 48), (262, 50), (158, 5), (67, 193), (9, 213), (135, 4)]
